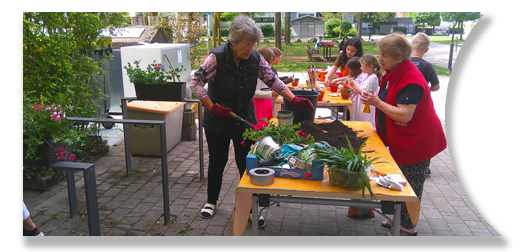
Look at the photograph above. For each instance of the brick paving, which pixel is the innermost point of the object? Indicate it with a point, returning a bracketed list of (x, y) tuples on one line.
[(133, 205)]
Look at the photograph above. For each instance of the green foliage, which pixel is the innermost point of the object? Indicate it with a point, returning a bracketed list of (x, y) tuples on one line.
[(225, 33), (330, 25), (400, 29), (267, 29), (153, 74), (431, 18), (346, 159), (58, 67), (283, 134)]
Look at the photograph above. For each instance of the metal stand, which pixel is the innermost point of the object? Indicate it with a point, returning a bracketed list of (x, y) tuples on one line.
[(124, 103), (164, 165), (90, 188)]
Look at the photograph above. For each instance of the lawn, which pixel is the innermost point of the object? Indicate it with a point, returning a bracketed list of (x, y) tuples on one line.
[(295, 59)]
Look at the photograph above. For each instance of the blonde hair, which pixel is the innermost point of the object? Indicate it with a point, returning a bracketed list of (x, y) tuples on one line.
[(267, 53), (370, 59), (395, 45), (420, 42)]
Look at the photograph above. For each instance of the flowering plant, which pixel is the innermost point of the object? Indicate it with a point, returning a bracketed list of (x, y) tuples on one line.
[(283, 134), (41, 122), (154, 74)]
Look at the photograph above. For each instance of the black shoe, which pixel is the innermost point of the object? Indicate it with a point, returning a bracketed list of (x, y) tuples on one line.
[(261, 220)]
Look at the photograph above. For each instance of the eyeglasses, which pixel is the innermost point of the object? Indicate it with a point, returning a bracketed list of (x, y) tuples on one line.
[(248, 45)]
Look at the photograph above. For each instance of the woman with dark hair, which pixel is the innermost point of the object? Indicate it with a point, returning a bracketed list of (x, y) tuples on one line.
[(342, 43), (353, 48)]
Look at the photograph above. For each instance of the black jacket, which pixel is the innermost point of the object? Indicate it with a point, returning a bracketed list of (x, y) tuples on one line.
[(234, 87)]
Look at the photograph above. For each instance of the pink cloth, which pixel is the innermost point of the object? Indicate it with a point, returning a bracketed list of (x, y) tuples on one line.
[(264, 108)]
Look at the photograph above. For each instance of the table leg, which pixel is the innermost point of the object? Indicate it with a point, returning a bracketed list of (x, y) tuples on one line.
[(255, 215), (397, 219)]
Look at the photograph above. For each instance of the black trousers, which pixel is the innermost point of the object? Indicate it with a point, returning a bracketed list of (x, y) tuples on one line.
[(218, 157)]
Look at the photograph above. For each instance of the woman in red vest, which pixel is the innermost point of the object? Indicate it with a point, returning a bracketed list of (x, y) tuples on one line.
[(406, 119)]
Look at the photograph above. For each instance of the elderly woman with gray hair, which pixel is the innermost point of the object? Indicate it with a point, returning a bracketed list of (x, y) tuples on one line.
[(406, 119), (231, 71)]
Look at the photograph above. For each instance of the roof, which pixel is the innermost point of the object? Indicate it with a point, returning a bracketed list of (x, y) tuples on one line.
[(306, 18)]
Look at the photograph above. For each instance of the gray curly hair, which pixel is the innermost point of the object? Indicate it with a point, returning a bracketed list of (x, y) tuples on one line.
[(244, 25)]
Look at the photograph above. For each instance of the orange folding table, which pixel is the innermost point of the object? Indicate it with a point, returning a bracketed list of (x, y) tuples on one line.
[(321, 193)]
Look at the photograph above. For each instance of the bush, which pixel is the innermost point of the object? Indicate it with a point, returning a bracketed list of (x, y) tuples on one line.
[(400, 29), (351, 33), (330, 26), (224, 33), (267, 29)]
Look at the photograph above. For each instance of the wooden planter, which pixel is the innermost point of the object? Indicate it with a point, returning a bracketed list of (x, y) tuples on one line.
[(173, 91)]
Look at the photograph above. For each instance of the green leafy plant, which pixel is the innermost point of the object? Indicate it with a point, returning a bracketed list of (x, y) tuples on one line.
[(153, 74), (42, 122), (283, 134), (345, 159)]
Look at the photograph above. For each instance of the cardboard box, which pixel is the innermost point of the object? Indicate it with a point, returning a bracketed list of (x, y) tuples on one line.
[(314, 174)]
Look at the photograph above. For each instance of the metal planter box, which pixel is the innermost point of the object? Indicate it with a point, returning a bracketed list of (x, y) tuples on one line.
[(317, 173)]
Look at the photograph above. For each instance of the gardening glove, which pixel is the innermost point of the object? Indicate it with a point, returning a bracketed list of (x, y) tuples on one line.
[(220, 111), (302, 103)]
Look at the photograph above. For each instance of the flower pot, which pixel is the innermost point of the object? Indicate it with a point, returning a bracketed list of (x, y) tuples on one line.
[(47, 154), (173, 91), (321, 96), (341, 178), (284, 114), (267, 148), (295, 82), (303, 114), (345, 93), (321, 75), (333, 87), (285, 121)]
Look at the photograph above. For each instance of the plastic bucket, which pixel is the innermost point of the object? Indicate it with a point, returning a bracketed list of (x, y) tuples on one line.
[(285, 121), (303, 114), (268, 148), (284, 114)]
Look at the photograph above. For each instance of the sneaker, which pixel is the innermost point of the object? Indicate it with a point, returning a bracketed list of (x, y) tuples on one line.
[(34, 232), (261, 220)]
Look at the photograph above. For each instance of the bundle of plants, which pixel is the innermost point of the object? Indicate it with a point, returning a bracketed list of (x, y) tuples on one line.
[(347, 168), (333, 133)]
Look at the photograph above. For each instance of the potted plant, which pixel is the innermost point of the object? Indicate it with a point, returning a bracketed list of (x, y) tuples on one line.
[(346, 168), (281, 134), (43, 126), (155, 82)]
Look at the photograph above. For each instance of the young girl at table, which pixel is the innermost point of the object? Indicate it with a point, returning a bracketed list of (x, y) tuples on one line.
[(368, 81), (353, 68), (263, 103)]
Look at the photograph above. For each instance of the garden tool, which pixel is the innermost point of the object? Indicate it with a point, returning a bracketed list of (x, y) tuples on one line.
[(247, 123)]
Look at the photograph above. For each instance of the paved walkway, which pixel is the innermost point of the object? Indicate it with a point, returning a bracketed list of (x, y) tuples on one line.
[(133, 205)]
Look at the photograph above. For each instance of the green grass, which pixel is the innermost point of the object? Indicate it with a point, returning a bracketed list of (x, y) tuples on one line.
[(294, 56)]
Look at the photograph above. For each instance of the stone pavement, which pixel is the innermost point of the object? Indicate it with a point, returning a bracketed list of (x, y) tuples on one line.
[(133, 205)]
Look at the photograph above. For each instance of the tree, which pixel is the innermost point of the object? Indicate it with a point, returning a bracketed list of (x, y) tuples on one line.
[(216, 32), (430, 18), (287, 23), (376, 17), (460, 19), (359, 25), (278, 30)]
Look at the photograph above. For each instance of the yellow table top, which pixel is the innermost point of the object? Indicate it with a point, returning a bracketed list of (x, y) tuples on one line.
[(326, 101), (322, 188)]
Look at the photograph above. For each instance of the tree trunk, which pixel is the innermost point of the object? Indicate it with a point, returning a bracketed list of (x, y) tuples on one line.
[(359, 26), (461, 26), (214, 29), (278, 30), (287, 28), (218, 28)]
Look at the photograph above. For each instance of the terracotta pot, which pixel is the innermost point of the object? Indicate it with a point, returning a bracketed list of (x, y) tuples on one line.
[(321, 96), (333, 87), (295, 82), (345, 93)]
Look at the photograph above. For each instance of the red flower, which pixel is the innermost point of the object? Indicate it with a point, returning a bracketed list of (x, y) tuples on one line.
[(72, 157), (242, 143), (260, 125), (302, 134)]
